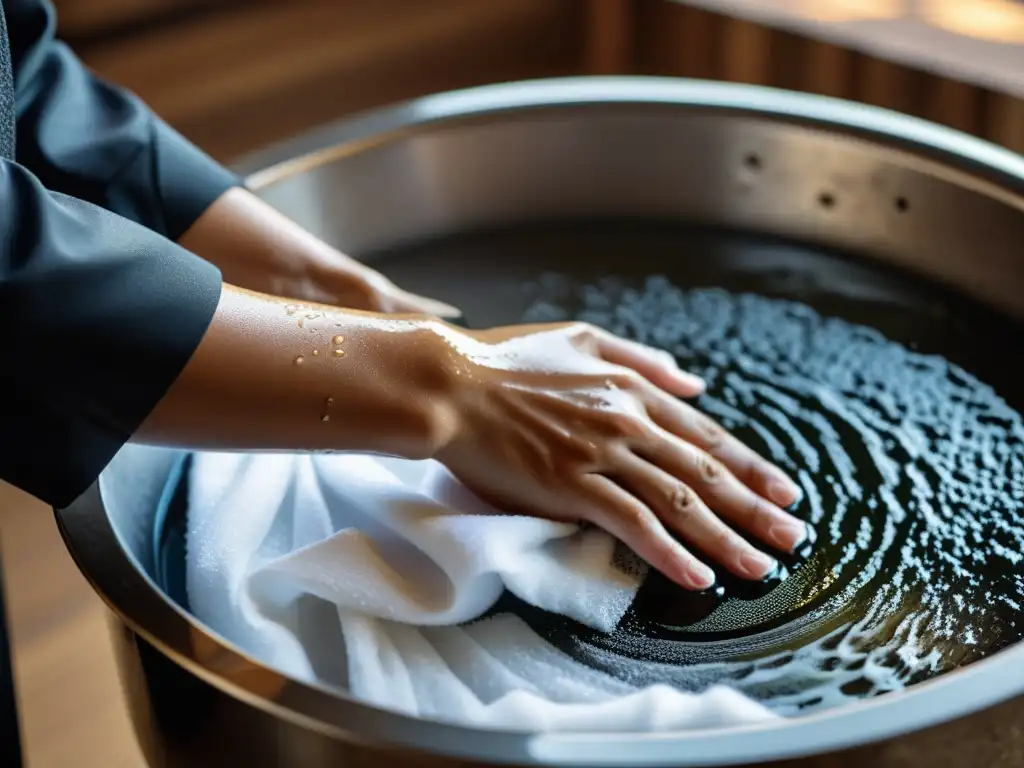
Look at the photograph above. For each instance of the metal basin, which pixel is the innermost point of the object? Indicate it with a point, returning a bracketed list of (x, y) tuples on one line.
[(894, 191)]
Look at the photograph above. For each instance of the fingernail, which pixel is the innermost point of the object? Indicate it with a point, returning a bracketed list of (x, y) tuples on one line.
[(691, 381), (756, 564), (805, 547), (699, 576), (784, 491), (787, 536)]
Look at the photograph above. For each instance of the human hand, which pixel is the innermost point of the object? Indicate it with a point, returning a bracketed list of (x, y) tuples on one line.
[(257, 248), (331, 277), (569, 422)]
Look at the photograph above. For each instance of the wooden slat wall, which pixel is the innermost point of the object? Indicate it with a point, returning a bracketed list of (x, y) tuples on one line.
[(235, 78), (609, 36), (234, 75), (89, 20), (674, 39)]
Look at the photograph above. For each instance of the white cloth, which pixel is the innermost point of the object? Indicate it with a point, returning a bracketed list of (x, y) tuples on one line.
[(361, 571)]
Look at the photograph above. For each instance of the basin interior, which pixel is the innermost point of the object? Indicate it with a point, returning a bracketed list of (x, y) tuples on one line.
[(493, 276)]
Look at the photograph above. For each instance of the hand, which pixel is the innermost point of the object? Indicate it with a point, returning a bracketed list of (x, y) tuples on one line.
[(259, 249), (331, 277), (571, 423)]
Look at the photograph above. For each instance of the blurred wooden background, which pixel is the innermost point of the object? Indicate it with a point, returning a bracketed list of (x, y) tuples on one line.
[(234, 76)]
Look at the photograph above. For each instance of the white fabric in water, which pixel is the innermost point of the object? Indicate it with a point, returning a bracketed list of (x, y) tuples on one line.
[(361, 571)]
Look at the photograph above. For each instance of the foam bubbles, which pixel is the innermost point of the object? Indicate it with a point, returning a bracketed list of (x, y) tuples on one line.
[(912, 473)]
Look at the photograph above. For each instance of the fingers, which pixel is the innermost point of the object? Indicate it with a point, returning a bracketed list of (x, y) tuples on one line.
[(385, 296), (738, 484), (655, 365), (411, 302), (680, 509), (753, 470), (722, 490), (629, 520)]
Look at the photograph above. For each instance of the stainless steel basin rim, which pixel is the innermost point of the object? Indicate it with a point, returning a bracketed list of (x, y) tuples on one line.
[(346, 135), (102, 548)]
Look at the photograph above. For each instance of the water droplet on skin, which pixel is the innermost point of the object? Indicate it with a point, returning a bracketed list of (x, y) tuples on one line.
[(327, 407), (339, 339), (316, 352), (300, 322), (339, 353), (299, 360)]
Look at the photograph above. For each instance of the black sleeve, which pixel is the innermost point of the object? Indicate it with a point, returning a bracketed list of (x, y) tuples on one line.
[(98, 316), (93, 141)]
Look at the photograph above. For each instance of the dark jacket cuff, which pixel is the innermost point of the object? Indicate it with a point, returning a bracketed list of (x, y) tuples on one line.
[(188, 180)]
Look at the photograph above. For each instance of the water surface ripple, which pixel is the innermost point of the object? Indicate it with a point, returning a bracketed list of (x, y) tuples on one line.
[(913, 472)]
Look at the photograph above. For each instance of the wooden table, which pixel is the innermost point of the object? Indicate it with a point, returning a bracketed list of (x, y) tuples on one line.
[(10, 736), (69, 700)]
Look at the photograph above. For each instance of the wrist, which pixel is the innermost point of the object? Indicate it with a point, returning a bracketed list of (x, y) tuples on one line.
[(254, 246), (430, 375), (273, 375)]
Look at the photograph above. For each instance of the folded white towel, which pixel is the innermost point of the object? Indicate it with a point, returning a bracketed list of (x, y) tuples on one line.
[(361, 571)]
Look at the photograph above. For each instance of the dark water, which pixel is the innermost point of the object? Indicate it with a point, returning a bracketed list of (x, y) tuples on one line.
[(892, 401)]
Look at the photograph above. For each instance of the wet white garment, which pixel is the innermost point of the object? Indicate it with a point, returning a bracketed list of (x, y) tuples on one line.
[(362, 571)]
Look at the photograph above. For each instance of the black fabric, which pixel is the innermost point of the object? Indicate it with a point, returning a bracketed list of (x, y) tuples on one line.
[(99, 309), (91, 140)]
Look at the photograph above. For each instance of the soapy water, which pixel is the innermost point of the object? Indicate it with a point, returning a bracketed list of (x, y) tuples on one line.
[(912, 477)]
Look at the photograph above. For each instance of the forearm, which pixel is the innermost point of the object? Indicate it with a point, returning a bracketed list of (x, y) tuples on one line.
[(257, 247), (98, 316), (274, 375)]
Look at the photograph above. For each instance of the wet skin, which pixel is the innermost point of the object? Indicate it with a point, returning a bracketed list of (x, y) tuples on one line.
[(562, 421)]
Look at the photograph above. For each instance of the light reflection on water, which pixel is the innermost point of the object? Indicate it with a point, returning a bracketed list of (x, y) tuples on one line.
[(913, 476)]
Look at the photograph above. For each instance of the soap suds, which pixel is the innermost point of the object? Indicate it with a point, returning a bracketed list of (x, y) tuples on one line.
[(913, 473)]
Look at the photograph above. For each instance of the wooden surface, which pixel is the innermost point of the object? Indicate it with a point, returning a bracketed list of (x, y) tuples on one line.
[(680, 40), (233, 80), (72, 713), (980, 42), (235, 76)]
